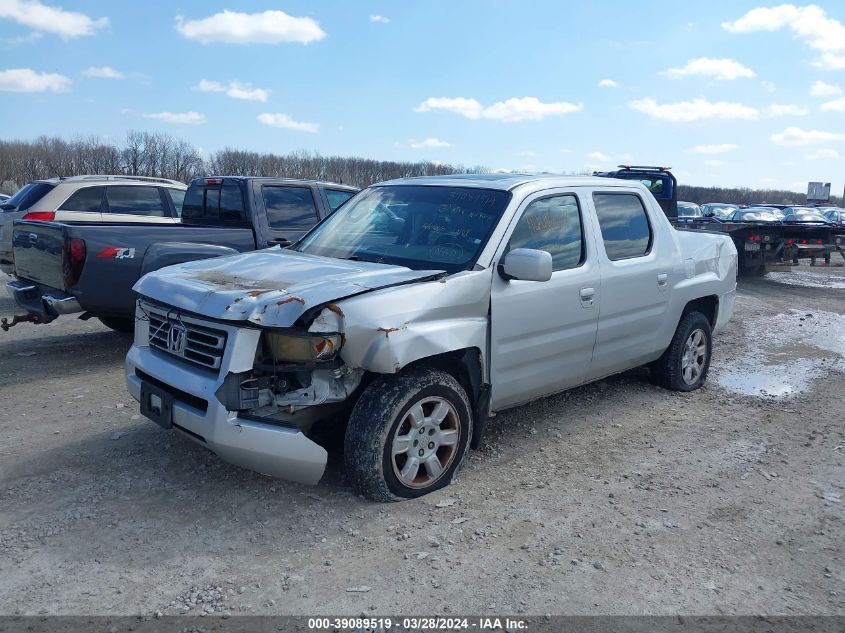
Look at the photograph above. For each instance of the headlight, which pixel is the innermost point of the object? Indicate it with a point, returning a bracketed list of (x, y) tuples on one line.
[(306, 348)]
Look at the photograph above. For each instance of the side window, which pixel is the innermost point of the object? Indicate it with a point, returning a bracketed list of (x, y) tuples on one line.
[(290, 207), (178, 198), (136, 200), (337, 197), (624, 225), (86, 200), (552, 225)]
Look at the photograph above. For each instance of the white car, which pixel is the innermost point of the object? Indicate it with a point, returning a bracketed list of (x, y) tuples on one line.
[(419, 308), (136, 199)]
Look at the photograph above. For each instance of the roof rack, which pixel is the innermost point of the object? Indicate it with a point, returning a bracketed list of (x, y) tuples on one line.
[(121, 177), (643, 168)]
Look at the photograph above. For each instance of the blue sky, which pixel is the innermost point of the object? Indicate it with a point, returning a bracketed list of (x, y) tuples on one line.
[(728, 93)]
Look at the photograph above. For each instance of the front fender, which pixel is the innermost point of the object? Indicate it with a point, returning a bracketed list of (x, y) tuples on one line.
[(170, 253), (389, 329)]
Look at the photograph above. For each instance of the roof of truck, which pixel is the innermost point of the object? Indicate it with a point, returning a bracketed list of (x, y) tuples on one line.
[(508, 182), (309, 181)]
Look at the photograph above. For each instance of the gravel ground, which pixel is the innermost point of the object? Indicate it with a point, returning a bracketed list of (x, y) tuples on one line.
[(614, 498)]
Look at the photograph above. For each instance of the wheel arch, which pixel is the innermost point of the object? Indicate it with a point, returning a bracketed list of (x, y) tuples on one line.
[(708, 306)]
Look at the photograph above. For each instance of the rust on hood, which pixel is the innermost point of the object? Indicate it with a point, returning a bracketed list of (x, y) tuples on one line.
[(289, 299), (258, 293), (387, 330), (333, 307)]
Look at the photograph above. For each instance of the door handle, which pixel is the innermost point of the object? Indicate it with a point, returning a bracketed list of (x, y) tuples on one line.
[(587, 293), (662, 278), (281, 241)]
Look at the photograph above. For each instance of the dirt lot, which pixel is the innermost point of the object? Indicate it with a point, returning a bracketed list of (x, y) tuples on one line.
[(615, 498)]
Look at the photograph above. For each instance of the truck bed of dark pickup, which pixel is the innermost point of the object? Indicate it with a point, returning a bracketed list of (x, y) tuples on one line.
[(90, 268)]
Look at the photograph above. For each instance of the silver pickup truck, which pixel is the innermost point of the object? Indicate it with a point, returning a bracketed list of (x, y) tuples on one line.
[(416, 311)]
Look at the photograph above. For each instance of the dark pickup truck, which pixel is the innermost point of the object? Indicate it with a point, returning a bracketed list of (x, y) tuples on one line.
[(91, 268)]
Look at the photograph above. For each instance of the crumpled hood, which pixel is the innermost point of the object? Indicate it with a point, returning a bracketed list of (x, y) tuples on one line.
[(272, 287)]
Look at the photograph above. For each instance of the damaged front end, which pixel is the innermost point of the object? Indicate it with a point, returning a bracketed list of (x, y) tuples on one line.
[(295, 373)]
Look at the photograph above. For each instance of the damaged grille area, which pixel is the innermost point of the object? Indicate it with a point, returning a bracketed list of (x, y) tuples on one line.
[(185, 338)]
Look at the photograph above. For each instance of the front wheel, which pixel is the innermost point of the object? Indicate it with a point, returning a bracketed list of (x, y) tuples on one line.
[(684, 364), (407, 435)]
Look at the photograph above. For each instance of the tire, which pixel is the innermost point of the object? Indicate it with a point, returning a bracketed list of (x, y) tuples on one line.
[(383, 415), (124, 325), (669, 370)]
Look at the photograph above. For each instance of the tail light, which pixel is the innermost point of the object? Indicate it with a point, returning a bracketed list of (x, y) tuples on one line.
[(818, 241), (803, 241), (755, 238), (214, 181), (47, 216), (73, 259), (790, 242)]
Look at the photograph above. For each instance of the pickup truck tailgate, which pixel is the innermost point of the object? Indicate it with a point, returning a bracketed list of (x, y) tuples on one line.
[(37, 248)]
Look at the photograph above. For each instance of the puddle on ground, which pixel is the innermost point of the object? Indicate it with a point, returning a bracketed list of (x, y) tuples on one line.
[(783, 355), (807, 279)]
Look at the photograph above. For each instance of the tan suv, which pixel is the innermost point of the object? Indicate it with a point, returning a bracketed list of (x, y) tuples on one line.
[(137, 199)]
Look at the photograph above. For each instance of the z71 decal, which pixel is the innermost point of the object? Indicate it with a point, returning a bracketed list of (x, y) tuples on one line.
[(115, 252)]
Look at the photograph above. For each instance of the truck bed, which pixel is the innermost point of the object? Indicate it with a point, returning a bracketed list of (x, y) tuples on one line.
[(116, 255)]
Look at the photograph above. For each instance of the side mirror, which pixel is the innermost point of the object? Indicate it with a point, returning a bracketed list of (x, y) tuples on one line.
[(527, 264)]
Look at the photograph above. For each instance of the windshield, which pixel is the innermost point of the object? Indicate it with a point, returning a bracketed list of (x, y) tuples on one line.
[(421, 227), (688, 210)]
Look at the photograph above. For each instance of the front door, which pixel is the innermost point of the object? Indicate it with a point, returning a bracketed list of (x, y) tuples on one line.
[(542, 333)]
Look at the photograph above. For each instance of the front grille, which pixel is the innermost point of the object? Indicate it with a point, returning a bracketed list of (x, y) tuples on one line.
[(186, 338)]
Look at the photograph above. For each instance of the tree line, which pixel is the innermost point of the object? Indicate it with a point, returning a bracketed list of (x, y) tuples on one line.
[(163, 156)]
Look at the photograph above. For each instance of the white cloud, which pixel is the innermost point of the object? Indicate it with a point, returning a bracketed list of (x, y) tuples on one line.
[(809, 23), (284, 121), (823, 154), (103, 72), (179, 118), (27, 80), (823, 89), (786, 109), (38, 16), (509, 111), (829, 61), (268, 27), (712, 162), (695, 110), (607, 83), (427, 143), (233, 89), (721, 69), (795, 137), (209, 86), (837, 105), (713, 149), (380, 19), (602, 158)]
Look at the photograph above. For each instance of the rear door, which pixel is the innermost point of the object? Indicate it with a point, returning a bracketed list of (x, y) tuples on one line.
[(635, 271), (542, 333), (289, 211), (137, 203), (83, 205)]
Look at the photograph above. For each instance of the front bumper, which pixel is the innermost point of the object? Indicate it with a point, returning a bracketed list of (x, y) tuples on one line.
[(45, 303), (278, 451)]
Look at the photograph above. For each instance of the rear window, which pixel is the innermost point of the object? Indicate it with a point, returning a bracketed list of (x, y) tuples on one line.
[(337, 197), (29, 194), (290, 207), (624, 225), (134, 200), (214, 204), (178, 198), (85, 200)]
